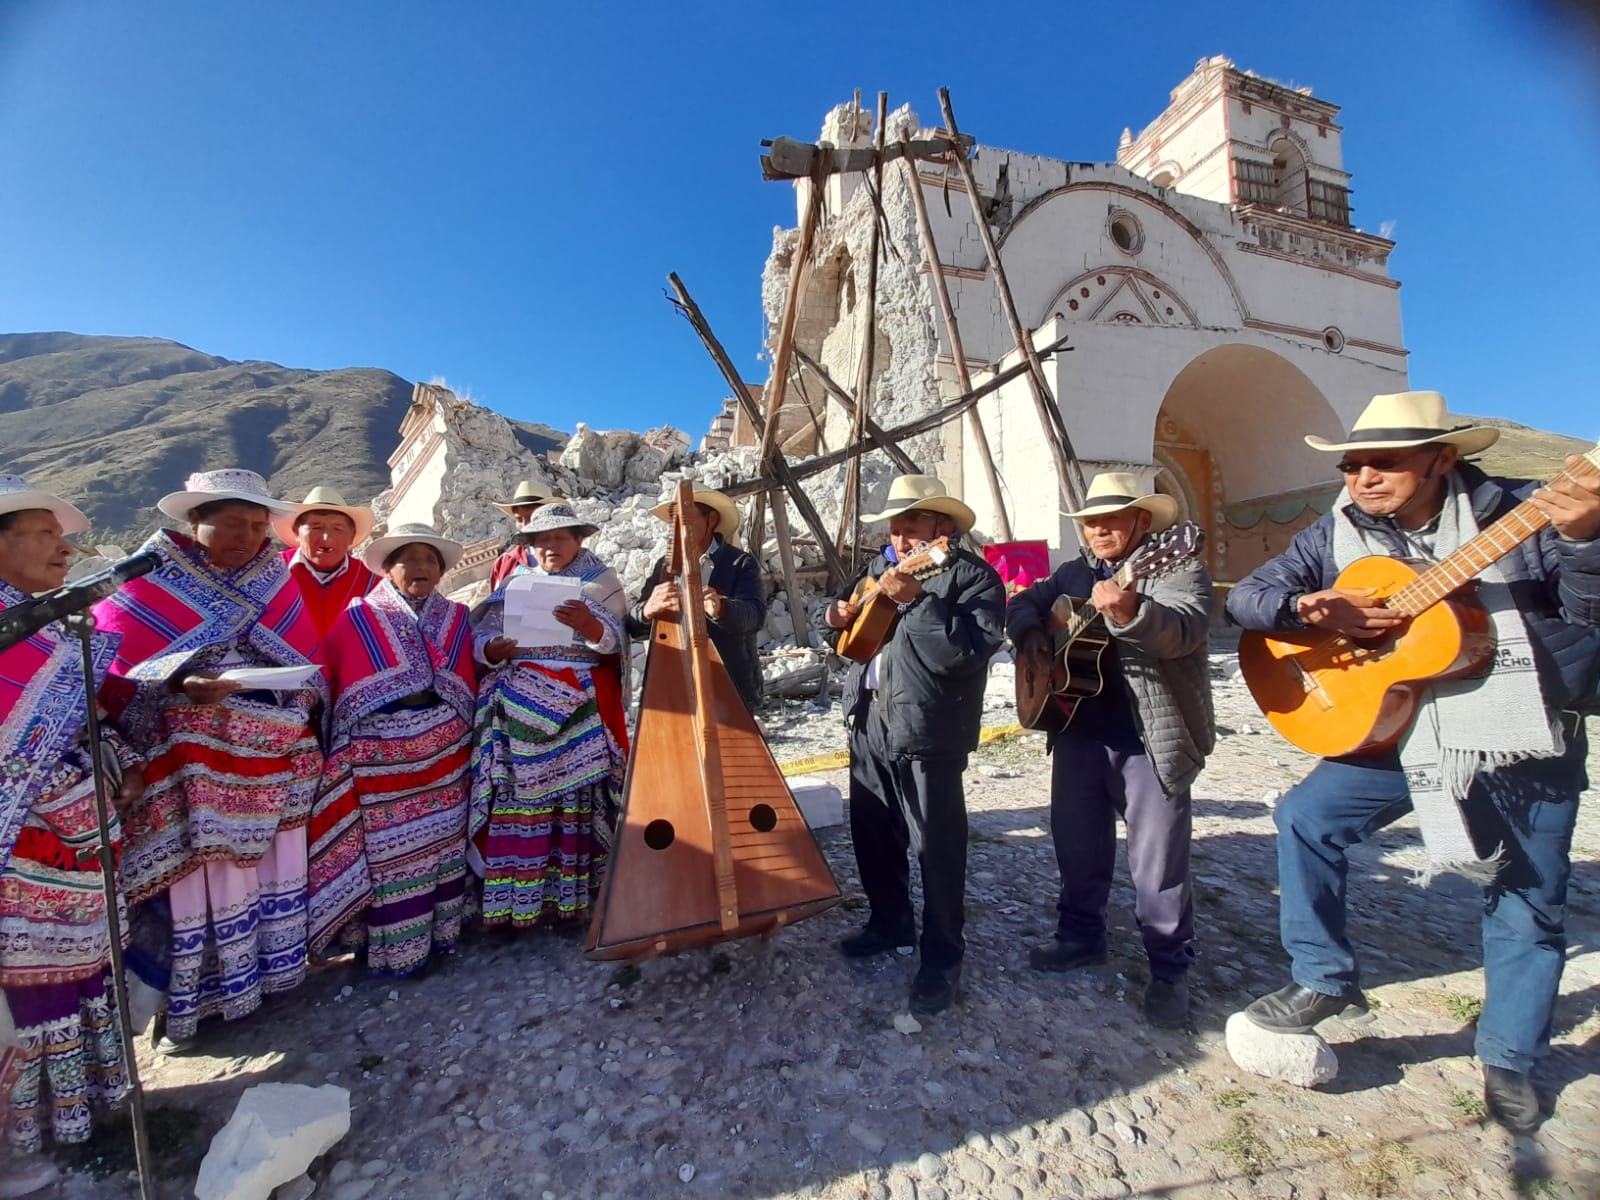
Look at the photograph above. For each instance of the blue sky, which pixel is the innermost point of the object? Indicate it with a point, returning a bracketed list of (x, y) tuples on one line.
[(495, 192)]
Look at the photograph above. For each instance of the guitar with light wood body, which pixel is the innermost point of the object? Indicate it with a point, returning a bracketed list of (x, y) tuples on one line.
[(1332, 695)]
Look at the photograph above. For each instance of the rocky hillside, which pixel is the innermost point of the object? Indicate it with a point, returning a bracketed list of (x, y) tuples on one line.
[(115, 423)]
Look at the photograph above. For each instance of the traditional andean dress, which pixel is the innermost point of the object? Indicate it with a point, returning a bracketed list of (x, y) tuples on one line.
[(329, 593), (221, 827), (547, 768), (65, 1055), (389, 828)]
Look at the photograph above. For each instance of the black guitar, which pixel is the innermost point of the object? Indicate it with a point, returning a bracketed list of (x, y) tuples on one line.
[(1054, 677)]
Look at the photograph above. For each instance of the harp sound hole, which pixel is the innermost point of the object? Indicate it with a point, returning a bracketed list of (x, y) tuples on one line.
[(763, 819), (658, 835)]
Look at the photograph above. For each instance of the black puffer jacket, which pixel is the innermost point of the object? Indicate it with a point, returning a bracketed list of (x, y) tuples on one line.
[(1556, 584), (932, 671)]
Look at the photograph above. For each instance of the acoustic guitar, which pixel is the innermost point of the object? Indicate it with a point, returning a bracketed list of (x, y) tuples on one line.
[(1333, 695), (879, 614), (1056, 675)]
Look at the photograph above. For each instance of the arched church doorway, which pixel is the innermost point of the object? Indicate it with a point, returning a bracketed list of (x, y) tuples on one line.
[(1228, 442)]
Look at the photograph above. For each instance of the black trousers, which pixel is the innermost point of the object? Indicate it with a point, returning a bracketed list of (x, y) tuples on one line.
[(898, 803)]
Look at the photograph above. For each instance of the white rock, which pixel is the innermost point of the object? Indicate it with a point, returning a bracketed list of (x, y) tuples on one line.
[(821, 804), (686, 1172), (1302, 1059), (299, 1188), (276, 1132), (907, 1024)]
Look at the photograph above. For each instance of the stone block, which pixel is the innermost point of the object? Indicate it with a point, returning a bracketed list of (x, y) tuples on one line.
[(276, 1132), (1302, 1059), (820, 804)]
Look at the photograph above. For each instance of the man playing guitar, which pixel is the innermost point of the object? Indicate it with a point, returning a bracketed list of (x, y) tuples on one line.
[(1492, 766), (914, 712), (1134, 748)]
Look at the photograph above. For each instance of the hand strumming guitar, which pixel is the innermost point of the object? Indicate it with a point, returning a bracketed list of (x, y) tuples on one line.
[(842, 614), (1351, 611), (900, 588), (1114, 602)]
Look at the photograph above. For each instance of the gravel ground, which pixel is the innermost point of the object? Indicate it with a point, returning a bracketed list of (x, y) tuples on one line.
[(779, 1069)]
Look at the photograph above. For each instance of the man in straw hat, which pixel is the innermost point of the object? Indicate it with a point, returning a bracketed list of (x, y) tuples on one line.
[(914, 712), (1492, 766), (319, 533), (60, 1049), (735, 607), (1134, 748), (529, 497)]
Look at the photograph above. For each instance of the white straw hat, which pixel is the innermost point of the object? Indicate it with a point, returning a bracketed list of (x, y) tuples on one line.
[(924, 493), (727, 511), (1400, 420), (323, 499), (403, 535), (231, 483), (1113, 491), (529, 491), (17, 496)]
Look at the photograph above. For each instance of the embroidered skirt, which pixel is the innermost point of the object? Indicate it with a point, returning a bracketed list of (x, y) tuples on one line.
[(389, 837)]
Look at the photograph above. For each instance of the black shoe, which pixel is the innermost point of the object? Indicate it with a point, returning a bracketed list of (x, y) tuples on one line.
[(1166, 1003), (1511, 1100), (876, 940), (1296, 1009), (934, 990), (1059, 954)]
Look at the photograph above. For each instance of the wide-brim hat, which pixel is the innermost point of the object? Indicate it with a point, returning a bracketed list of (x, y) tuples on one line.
[(323, 499), (925, 493), (727, 511), (17, 496), (1401, 420), (557, 514), (403, 535), (232, 483), (529, 491), (1113, 491)]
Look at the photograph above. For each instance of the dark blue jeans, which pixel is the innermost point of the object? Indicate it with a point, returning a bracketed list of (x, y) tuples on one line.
[(1529, 813)]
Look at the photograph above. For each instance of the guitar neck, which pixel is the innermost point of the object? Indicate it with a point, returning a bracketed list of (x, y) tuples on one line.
[(1088, 614), (1482, 552)]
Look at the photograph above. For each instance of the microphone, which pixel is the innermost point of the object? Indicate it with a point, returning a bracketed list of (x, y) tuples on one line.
[(24, 620)]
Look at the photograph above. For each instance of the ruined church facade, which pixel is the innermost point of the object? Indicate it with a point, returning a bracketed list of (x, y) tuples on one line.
[(1217, 299)]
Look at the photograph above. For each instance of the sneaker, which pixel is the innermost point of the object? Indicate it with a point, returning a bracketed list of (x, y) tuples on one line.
[(934, 990), (1059, 954), (1511, 1100), (874, 939), (1166, 1003), (1296, 1009)]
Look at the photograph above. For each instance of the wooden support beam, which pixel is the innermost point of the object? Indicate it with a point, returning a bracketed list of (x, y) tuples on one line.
[(1068, 472), (847, 402), (941, 291)]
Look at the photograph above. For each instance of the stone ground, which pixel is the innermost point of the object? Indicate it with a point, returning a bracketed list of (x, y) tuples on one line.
[(779, 1069)]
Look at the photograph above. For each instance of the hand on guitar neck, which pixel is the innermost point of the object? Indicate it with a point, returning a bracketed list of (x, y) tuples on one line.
[(1572, 503)]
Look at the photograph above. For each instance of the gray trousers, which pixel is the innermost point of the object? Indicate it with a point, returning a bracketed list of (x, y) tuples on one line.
[(1090, 786)]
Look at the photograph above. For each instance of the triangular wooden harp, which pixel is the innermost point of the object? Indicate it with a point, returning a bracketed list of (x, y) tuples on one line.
[(710, 846)]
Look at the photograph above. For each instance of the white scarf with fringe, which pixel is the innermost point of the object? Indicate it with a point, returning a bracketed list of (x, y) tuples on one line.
[(1464, 726)]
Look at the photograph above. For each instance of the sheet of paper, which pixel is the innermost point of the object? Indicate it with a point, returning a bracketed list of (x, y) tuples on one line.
[(531, 601), (272, 679)]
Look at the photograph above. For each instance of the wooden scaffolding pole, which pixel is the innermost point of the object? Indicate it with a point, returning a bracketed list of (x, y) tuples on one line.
[(850, 516), (847, 402), (942, 291), (1069, 475)]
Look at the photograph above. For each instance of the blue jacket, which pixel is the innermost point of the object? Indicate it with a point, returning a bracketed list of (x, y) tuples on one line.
[(1556, 583), (736, 575)]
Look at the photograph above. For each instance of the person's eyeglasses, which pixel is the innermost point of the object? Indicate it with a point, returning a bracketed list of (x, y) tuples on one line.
[(1383, 463)]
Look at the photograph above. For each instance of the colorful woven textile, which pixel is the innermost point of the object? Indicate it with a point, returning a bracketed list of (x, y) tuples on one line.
[(238, 933), (325, 601), (545, 776), (388, 831), (1020, 563), (68, 1061)]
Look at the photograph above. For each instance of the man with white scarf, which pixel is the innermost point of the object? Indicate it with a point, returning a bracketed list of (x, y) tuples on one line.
[(1492, 765)]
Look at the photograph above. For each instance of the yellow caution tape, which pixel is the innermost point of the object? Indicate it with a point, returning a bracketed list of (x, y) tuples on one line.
[(841, 758)]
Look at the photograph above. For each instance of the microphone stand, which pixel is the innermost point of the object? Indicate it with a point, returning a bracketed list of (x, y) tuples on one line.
[(83, 623)]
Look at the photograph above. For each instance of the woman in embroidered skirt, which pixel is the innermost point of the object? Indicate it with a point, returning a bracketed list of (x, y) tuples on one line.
[(547, 768), (217, 845), (389, 828), (64, 1056)]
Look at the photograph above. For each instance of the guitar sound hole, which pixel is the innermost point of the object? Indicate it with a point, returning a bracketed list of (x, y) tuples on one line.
[(763, 819), (658, 835)]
